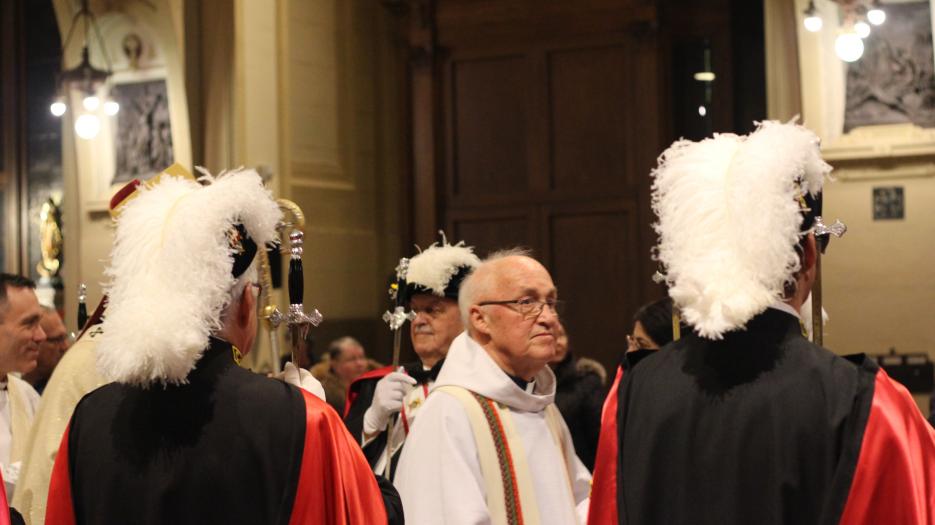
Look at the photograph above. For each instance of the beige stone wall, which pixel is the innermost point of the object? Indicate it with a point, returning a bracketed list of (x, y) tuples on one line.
[(88, 165), (879, 280), (340, 150), (309, 90)]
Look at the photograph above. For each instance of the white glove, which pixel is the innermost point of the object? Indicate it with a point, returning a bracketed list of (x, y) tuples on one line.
[(387, 400), (302, 378)]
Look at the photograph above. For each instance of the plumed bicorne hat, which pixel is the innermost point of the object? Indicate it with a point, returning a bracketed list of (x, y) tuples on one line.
[(179, 246), (438, 270), (731, 211)]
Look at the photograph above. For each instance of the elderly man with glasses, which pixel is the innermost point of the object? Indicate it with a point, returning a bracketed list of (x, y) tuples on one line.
[(489, 445), (430, 290)]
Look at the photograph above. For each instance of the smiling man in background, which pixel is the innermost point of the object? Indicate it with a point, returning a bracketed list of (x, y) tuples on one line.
[(20, 337), (50, 351)]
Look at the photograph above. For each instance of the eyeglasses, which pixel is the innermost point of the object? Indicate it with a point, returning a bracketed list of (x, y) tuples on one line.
[(636, 343), (529, 308)]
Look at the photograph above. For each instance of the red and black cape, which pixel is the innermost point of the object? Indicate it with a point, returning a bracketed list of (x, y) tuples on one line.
[(228, 447), (764, 427)]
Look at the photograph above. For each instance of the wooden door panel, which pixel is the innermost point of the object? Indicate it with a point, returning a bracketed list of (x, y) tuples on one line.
[(488, 129), (488, 232), (589, 95), (593, 261)]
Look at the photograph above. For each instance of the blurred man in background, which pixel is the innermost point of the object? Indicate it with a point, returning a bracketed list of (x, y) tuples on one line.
[(50, 351)]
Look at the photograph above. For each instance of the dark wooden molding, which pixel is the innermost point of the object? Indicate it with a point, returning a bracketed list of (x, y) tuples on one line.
[(396, 7)]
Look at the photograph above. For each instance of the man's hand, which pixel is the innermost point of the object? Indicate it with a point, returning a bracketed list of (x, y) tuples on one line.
[(387, 400), (302, 378)]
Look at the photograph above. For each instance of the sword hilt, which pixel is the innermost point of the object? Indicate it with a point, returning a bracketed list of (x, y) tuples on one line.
[(82, 306)]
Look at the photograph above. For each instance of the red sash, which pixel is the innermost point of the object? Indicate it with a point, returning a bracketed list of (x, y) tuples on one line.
[(4, 505), (894, 481), (336, 484), (602, 509), (354, 389), (59, 509)]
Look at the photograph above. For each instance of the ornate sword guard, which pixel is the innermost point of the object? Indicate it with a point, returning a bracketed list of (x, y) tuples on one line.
[(838, 229), (398, 317)]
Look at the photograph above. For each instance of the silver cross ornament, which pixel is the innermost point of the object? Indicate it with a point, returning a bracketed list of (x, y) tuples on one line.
[(402, 269), (837, 229), (398, 317)]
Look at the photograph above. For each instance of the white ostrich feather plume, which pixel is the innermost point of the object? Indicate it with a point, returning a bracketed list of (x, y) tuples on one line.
[(436, 265), (729, 220), (169, 276)]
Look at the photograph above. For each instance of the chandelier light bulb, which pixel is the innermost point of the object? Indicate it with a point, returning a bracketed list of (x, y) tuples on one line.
[(813, 23), (91, 103), (849, 46), (111, 108), (702, 111), (876, 16), (87, 126), (862, 29), (58, 107)]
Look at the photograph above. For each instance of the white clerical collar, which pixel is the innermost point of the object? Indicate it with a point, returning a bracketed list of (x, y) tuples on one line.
[(784, 307)]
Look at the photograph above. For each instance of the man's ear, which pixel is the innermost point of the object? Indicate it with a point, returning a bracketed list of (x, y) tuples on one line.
[(247, 305), (811, 253), (478, 321)]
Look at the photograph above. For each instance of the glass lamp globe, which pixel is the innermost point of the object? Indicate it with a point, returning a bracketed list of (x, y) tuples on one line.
[(849, 47), (91, 103), (813, 23), (87, 126), (58, 108)]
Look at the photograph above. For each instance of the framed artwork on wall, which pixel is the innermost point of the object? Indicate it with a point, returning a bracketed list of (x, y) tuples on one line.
[(143, 139), (881, 106)]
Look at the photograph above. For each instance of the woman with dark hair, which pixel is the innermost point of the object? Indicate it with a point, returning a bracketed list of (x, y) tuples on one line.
[(652, 329), (579, 394), (652, 326)]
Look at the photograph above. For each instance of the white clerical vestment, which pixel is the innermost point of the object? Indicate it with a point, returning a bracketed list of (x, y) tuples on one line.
[(18, 402), (440, 476), (75, 376)]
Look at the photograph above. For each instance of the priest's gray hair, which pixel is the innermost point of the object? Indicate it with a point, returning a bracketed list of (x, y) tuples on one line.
[(478, 283)]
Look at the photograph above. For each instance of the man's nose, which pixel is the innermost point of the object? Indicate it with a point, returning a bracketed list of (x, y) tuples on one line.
[(548, 315), (38, 334)]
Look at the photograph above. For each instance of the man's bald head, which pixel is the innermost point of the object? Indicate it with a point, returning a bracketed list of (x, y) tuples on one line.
[(508, 305), (487, 276)]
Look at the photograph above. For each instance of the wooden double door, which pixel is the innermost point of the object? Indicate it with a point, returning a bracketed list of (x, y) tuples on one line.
[(536, 123)]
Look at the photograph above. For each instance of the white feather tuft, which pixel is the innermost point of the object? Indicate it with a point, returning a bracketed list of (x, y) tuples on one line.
[(729, 220), (434, 267), (169, 276)]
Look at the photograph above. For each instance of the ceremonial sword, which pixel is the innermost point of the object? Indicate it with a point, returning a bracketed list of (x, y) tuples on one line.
[(820, 230), (296, 319), (396, 319), (82, 306)]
